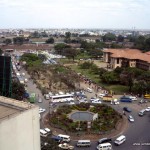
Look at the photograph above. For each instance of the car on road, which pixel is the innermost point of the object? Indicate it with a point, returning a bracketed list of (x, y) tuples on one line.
[(96, 102), (66, 146), (147, 109), (83, 101), (127, 109), (142, 101), (134, 98), (130, 118), (47, 130), (89, 90), (40, 100), (121, 139), (104, 140), (101, 95), (142, 112), (41, 110)]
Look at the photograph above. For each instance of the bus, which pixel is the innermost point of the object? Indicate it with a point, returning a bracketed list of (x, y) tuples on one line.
[(147, 96), (32, 98), (62, 98)]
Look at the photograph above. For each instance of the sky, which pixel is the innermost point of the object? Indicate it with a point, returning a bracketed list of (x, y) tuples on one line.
[(118, 14)]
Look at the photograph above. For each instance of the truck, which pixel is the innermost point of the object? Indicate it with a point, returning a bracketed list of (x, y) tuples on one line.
[(32, 98), (107, 98)]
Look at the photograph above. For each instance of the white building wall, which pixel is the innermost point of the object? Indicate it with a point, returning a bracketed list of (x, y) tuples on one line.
[(21, 132)]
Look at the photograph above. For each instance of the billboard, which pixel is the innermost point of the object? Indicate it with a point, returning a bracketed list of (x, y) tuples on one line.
[(5, 76)]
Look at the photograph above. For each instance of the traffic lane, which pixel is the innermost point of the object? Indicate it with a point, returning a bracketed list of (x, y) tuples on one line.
[(92, 147), (137, 134)]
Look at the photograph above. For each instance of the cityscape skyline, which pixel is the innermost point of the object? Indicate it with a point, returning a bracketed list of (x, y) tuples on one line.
[(95, 14)]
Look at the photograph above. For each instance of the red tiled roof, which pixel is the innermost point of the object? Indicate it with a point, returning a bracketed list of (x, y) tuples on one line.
[(129, 54)]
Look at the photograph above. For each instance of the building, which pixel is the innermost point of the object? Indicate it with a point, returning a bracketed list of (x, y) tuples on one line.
[(127, 58), (19, 125)]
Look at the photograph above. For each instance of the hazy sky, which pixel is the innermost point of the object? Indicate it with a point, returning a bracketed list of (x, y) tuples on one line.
[(75, 14)]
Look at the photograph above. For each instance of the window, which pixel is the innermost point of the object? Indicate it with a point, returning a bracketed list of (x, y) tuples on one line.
[(117, 60)]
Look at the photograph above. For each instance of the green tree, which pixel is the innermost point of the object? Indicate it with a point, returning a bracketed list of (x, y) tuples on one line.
[(50, 40), (18, 40), (147, 44), (35, 34), (1, 51), (71, 53), (60, 48), (110, 77), (95, 53), (7, 41), (109, 37), (67, 35), (120, 38), (18, 90)]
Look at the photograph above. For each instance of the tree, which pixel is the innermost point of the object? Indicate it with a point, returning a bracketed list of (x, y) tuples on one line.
[(96, 53), (140, 42), (35, 34), (110, 77), (120, 38), (1, 51), (109, 37), (147, 44), (59, 48), (18, 40), (71, 53), (8, 41), (67, 35), (50, 40), (18, 90)]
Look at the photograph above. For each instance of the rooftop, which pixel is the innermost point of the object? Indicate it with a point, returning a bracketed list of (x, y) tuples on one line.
[(10, 107), (133, 54)]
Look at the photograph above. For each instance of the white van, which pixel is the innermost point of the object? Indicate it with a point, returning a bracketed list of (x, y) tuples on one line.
[(89, 90), (43, 133), (65, 138), (84, 143), (121, 139), (104, 146)]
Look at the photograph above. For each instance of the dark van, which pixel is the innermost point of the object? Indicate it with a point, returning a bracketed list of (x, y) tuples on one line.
[(57, 139)]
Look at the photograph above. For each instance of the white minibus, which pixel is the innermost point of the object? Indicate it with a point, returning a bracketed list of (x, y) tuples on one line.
[(104, 146), (121, 139), (84, 143), (65, 138)]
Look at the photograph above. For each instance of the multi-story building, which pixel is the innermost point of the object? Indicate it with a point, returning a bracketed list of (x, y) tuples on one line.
[(19, 125), (127, 58)]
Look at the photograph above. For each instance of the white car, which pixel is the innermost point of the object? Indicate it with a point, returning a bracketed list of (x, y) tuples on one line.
[(131, 119), (41, 110), (96, 102), (89, 90), (101, 95), (47, 130), (83, 101), (133, 98), (66, 146), (147, 109), (71, 103)]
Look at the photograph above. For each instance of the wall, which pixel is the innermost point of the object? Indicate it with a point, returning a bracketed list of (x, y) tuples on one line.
[(21, 132)]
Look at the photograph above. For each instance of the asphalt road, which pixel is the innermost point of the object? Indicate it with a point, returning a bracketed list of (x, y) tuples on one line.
[(137, 134)]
